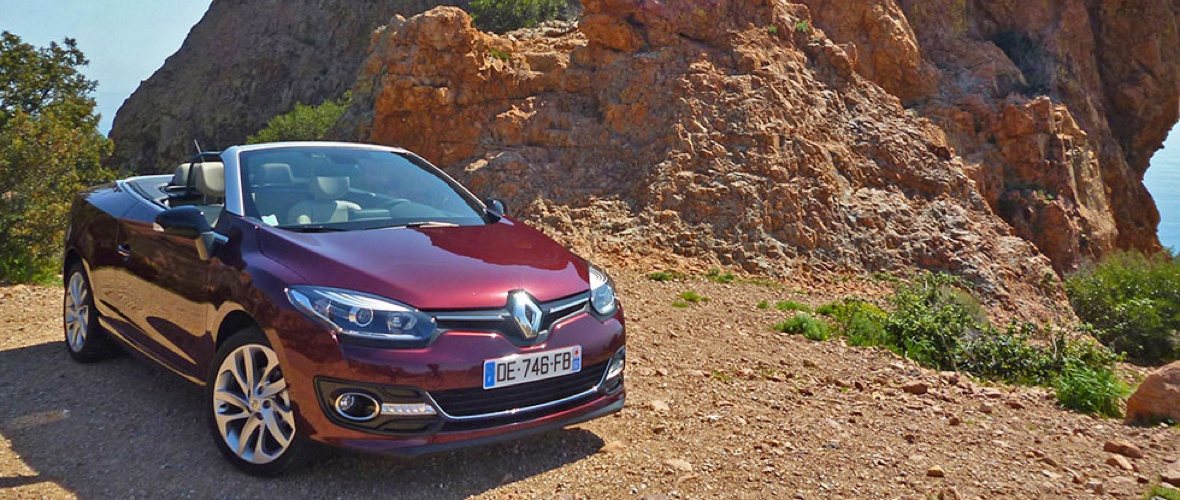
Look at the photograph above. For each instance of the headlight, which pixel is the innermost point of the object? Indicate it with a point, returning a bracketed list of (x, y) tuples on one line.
[(362, 316), (602, 292)]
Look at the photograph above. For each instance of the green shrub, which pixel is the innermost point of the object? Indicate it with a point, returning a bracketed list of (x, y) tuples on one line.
[(716, 276), (665, 276), (304, 123), (501, 16), (1133, 302), (863, 323), (790, 305), (930, 315), (692, 297), (806, 325), (937, 323), (763, 304), (679, 303), (1091, 391), (1012, 357)]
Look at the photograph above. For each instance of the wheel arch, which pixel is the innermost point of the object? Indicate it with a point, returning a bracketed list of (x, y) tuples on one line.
[(71, 257), (232, 323)]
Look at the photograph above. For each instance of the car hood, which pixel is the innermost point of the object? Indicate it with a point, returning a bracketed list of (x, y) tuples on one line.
[(468, 267)]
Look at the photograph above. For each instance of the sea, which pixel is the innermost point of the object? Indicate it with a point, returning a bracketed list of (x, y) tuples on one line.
[(1163, 182)]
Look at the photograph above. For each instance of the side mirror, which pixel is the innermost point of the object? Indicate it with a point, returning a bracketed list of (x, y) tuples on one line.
[(187, 222), (495, 208)]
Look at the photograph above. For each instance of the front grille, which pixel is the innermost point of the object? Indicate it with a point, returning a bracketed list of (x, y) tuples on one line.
[(479, 401), (500, 320)]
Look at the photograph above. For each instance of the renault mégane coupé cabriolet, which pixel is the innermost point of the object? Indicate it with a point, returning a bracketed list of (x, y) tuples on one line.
[(345, 294)]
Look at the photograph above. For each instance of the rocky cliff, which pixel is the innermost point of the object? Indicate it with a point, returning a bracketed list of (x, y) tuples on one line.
[(243, 63), (728, 132), (1004, 141), (1055, 106)]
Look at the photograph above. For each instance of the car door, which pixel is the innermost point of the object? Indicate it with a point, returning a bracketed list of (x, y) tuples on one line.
[(167, 284)]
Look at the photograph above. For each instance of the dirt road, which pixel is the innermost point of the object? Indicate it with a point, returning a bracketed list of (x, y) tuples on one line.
[(718, 406)]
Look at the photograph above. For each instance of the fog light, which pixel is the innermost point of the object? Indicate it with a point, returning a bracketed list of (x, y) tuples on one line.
[(407, 410), (615, 370), (356, 406)]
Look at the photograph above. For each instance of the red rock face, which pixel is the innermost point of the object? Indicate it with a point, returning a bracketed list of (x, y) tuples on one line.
[(1055, 106), (706, 132)]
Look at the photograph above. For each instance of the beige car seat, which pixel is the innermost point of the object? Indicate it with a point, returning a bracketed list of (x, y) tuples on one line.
[(326, 205), (275, 192), (210, 180), (180, 176)]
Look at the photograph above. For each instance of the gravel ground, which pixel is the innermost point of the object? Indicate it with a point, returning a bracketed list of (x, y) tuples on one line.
[(719, 406)]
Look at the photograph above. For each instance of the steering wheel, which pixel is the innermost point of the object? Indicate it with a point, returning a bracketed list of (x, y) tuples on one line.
[(392, 202)]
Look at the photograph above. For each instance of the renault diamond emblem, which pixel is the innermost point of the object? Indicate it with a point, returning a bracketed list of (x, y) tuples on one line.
[(526, 313)]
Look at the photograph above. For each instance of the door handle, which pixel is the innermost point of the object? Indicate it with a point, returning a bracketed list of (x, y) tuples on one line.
[(124, 250)]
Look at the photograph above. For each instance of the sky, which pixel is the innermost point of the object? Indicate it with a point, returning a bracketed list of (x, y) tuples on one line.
[(125, 40)]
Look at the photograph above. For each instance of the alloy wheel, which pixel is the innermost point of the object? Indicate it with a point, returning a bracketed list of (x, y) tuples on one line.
[(77, 312), (251, 405)]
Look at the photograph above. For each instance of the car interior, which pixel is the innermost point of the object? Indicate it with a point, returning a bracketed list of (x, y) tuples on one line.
[(200, 184), (286, 189), (321, 195)]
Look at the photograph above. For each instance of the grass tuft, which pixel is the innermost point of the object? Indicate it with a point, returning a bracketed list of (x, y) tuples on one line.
[(806, 325), (716, 276), (1161, 492), (790, 305), (665, 276)]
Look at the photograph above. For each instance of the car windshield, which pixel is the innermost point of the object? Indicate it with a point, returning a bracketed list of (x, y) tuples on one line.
[(341, 189)]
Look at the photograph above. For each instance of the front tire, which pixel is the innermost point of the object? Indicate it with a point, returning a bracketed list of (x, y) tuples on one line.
[(85, 340), (250, 410)]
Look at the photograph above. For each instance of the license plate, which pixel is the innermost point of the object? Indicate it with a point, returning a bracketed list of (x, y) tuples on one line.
[(525, 368)]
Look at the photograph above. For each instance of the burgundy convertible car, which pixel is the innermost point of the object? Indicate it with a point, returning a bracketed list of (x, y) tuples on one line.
[(345, 294)]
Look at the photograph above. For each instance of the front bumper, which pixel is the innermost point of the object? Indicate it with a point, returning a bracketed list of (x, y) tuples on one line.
[(412, 446), (447, 375)]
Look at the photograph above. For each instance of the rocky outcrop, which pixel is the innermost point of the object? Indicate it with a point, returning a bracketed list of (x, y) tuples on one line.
[(243, 63), (1056, 106), (722, 132), (1157, 397), (814, 137)]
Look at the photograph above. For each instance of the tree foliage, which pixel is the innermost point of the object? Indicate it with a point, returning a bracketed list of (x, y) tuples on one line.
[(50, 149), (304, 123), (506, 15)]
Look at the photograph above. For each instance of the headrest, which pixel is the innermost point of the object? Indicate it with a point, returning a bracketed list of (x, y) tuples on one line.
[(329, 188), (180, 178), (276, 173), (210, 178)]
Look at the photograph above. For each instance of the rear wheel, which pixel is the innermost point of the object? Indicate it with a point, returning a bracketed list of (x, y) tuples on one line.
[(251, 415), (85, 339)]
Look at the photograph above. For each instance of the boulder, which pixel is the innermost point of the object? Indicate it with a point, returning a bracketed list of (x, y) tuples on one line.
[(1158, 397)]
